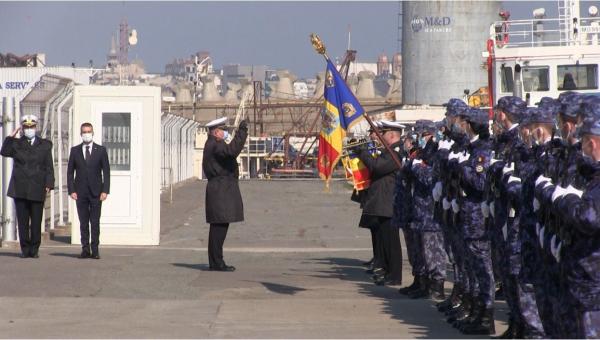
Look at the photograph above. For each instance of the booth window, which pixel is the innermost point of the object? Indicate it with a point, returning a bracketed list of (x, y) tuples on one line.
[(506, 79), (577, 77), (535, 78), (116, 137)]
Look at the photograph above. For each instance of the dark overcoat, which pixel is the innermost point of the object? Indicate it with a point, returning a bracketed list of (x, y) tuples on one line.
[(33, 168), (379, 199), (223, 198)]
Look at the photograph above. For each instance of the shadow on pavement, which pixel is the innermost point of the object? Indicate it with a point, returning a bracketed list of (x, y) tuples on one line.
[(282, 289), (426, 321), (75, 256), (11, 254), (196, 266)]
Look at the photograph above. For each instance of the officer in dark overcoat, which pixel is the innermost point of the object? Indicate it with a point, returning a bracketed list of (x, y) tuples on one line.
[(32, 178), (223, 198)]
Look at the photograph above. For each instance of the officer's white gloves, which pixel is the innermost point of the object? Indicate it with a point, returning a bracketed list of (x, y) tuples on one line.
[(494, 160), (508, 168), (512, 179), (542, 179), (571, 190), (455, 206), (463, 157), (454, 155), (445, 204), (485, 209), (417, 162), (437, 191), (558, 192), (445, 145)]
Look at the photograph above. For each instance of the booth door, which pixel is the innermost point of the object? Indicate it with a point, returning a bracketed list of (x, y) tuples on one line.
[(120, 127)]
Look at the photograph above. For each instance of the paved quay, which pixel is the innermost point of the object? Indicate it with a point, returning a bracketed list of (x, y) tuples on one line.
[(299, 275)]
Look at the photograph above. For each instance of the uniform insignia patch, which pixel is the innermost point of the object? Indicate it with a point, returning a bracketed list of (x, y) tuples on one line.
[(479, 169)]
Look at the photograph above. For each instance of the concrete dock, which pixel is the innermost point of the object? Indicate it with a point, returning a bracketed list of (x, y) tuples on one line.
[(299, 275)]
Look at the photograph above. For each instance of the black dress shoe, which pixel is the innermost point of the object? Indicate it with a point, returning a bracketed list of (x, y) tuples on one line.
[(393, 282), (95, 256), (84, 255), (24, 256), (35, 256), (223, 269)]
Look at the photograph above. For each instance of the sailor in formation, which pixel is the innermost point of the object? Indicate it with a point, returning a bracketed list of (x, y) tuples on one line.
[(510, 201)]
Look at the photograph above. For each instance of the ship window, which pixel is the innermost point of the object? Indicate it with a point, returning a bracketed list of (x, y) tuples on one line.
[(535, 78), (577, 77), (506, 78)]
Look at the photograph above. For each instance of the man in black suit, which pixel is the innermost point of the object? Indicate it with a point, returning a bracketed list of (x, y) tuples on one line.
[(88, 181), (32, 178)]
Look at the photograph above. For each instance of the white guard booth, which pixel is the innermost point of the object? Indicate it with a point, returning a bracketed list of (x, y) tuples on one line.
[(126, 121)]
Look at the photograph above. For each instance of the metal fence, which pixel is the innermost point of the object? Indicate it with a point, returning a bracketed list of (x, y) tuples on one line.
[(52, 102), (178, 142)]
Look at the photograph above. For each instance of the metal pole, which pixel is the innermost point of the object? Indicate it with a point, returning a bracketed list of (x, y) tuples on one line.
[(255, 104), (8, 208), (61, 203)]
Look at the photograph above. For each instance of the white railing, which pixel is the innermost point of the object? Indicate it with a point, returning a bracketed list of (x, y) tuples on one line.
[(544, 32)]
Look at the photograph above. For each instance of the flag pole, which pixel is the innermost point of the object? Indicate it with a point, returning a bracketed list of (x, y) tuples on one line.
[(320, 48)]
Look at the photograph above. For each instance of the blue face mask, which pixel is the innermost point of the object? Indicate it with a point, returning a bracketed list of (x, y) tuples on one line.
[(422, 142), (225, 135), (439, 135)]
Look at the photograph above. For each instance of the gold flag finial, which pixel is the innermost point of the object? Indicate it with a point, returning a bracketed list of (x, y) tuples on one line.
[(317, 43)]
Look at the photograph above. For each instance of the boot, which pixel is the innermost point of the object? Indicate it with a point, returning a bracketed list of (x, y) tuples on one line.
[(470, 315), (460, 312), (483, 325), (452, 301), (423, 292), (443, 305), (475, 315), (413, 286), (437, 290)]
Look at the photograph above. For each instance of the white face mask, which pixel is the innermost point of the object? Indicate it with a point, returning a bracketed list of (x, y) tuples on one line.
[(225, 134), (29, 133), (87, 137)]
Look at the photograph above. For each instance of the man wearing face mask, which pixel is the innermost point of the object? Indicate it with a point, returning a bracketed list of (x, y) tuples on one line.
[(379, 203), (431, 240), (573, 176), (537, 160), (579, 210), (472, 169), (32, 178), (504, 238), (88, 182), (445, 190), (223, 198)]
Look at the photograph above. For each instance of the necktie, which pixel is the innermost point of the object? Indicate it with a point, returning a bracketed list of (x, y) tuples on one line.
[(87, 153)]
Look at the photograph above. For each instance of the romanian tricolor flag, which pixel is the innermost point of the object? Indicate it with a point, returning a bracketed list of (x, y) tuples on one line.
[(341, 111)]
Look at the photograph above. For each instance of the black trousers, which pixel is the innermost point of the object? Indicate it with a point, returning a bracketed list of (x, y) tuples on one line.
[(29, 218), (389, 247), (89, 208), (216, 239)]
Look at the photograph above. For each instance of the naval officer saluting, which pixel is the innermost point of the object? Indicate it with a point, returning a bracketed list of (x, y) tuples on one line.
[(32, 178), (223, 198)]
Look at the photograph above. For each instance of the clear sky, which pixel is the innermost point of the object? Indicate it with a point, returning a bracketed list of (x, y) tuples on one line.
[(259, 33)]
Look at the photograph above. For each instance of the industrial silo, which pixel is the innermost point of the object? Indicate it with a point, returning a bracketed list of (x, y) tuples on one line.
[(442, 43)]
